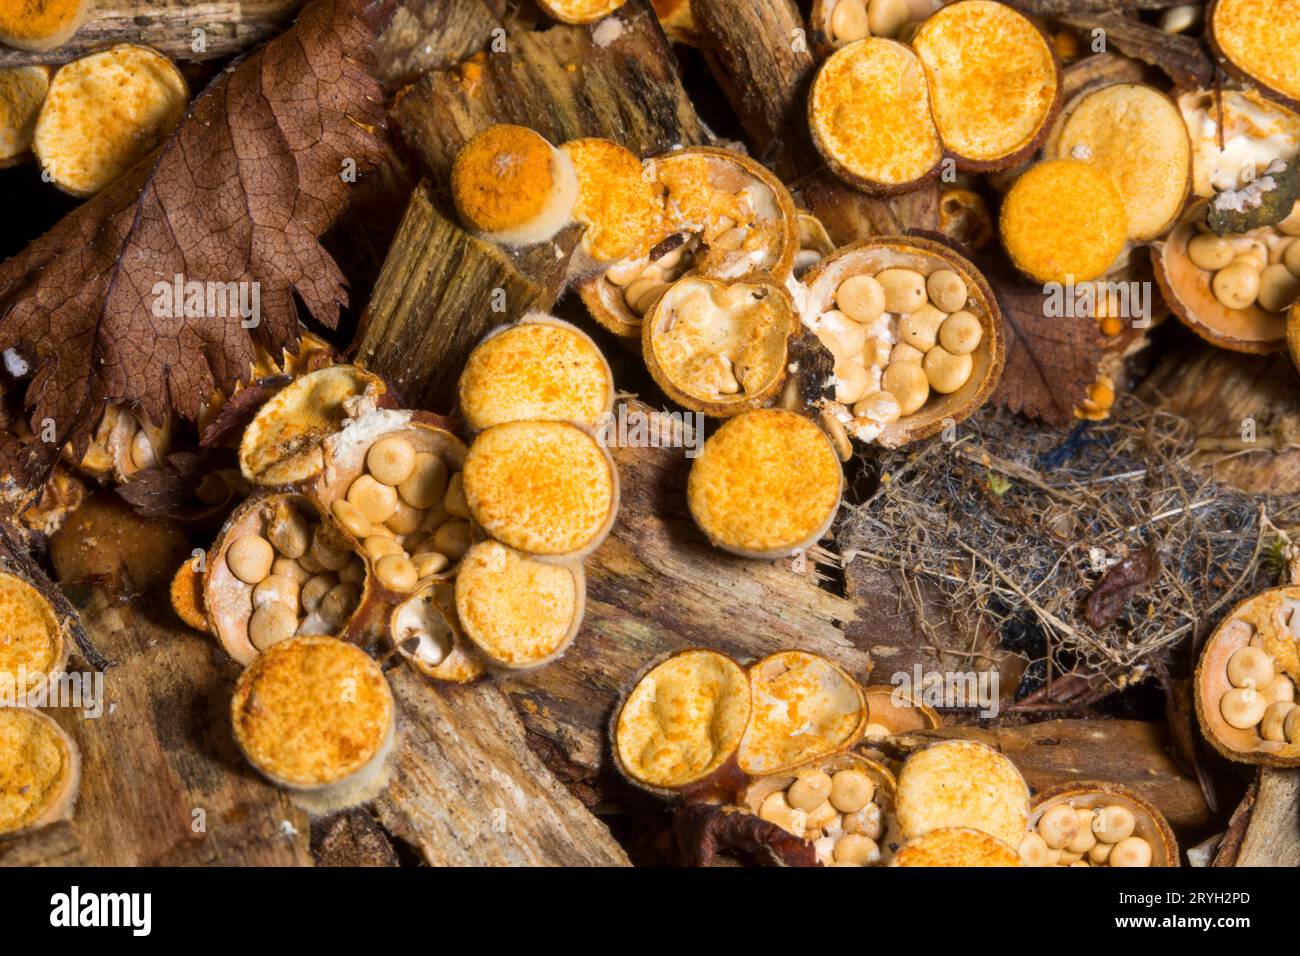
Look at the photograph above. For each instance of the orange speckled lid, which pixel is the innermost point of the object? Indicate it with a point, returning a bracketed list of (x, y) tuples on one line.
[(22, 91), (187, 596), (804, 707), (311, 711), (37, 764), (956, 846), (869, 113), (539, 370), (517, 611), (1063, 221), (683, 719), (545, 488), (503, 177), (615, 201), (1262, 39), (40, 24), (767, 482), (993, 79), (962, 783), (30, 637), (105, 112)]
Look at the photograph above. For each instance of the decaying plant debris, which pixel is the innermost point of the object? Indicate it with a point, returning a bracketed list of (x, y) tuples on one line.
[(1017, 524)]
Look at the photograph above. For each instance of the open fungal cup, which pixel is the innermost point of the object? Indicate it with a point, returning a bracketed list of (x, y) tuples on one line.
[(1246, 681), (104, 113), (393, 484), (956, 846), (766, 483), (719, 347), (678, 731), (891, 711), (915, 331), (1233, 290), (1063, 221), (962, 783), (283, 444), (125, 443), (719, 215), (815, 243), (979, 84), (869, 113), (41, 25), (1258, 42), (40, 771), (33, 642), (1096, 824), (804, 707), (615, 202), (519, 613), (22, 91), (843, 804), (1150, 165), (425, 630), (379, 500), (512, 186), (277, 569), (548, 489), (837, 23), (539, 369), (314, 713)]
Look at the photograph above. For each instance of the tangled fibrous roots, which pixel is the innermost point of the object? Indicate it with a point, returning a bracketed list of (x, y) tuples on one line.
[(1015, 523)]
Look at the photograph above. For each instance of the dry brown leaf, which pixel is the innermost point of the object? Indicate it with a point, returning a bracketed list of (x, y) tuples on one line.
[(239, 194), (1118, 586), (703, 830), (1051, 360)]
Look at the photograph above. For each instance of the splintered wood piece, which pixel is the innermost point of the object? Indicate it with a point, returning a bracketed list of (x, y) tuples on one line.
[(759, 53), (467, 791), (54, 845), (615, 80), (228, 27), (1133, 753), (656, 585), (162, 781), (440, 290), (1182, 58), (1272, 836), (428, 35), (1245, 412), (351, 838)]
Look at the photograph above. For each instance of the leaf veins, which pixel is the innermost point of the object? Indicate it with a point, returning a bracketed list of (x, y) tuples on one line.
[(240, 193)]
